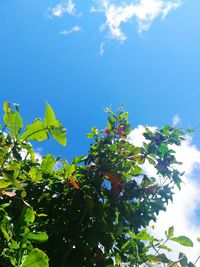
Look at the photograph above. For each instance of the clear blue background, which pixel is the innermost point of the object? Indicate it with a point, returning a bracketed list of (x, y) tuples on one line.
[(156, 75)]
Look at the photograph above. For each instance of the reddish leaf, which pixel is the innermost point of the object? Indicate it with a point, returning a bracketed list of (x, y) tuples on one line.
[(123, 151), (105, 131), (74, 183), (8, 194), (121, 130), (113, 178)]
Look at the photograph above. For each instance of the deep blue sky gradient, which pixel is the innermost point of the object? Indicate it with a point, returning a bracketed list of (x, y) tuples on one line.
[(155, 75)]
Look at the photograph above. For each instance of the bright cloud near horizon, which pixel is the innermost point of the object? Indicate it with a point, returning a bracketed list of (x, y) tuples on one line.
[(182, 212), (118, 13)]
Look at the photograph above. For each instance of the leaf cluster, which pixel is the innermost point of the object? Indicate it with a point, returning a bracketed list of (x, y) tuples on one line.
[(93, 211)]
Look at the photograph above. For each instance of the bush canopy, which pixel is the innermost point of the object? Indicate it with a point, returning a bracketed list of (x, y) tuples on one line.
[(93, 211)]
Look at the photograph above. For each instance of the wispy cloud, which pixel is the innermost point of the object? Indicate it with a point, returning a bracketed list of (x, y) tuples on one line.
[(176, 120), (182, 213), (75, 28), (102, 49), (118, 13), (65, 7), (145, 12)]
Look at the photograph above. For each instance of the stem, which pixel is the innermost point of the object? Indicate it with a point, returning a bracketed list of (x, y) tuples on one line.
[(136, 264), (157, 252), (45, 129), (197, 260), (176, 262)]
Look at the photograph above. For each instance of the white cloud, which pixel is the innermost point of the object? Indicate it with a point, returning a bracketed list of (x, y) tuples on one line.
[(176, 120), (75, 28), (145, 12), (118, 13), (183, 211), (66, 7)]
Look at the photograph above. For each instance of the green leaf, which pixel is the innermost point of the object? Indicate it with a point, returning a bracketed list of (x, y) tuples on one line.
[(143, 235), (4, 183), (29, 215), (165, 248), (59, 134), (69, 170), (36, 258), (35, 131), (117, 259), (50, 118), (183, 240), (151, 161), (5, 233), (38, 237), (183, 259), (6, 107), (136, 170), (132, 235), (90, 135), (170, 232), (48, 163), (26, 217), (161, 258), (163, 149), (35, 174), (14, 122)]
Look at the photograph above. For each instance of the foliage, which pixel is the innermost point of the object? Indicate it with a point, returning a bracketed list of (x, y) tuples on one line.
[(93, 211)]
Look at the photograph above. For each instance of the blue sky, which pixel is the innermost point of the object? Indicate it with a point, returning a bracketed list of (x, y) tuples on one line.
[(155, 74), (84, 55)]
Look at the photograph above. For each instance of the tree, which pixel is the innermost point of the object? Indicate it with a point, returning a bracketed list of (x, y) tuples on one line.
[(93, 211)]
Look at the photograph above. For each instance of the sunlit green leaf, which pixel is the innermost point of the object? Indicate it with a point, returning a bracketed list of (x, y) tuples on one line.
[(143, 235), (36, 258), (170, 232), (13, 121), (165, 248), (59, 134), (48, 163), (35, 174), (6, 107), (161, 258), (35, 131), (69, 170), (4, 183), (38, 237), (5, 233), (50, 118), (183, 240)]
